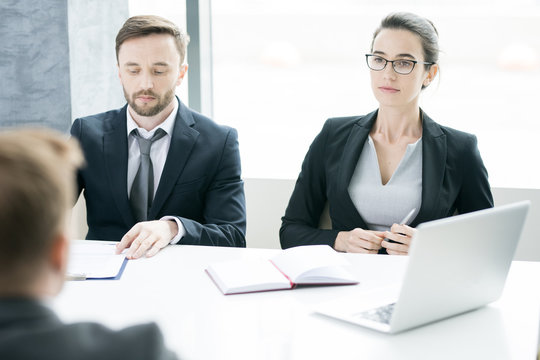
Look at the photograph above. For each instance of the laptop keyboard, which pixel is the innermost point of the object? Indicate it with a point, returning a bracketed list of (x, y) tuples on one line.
[(381, 314)]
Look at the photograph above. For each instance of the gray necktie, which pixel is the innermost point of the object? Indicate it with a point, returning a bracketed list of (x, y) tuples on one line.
[(142, 189)]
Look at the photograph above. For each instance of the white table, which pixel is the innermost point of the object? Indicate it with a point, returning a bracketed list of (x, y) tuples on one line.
[(199, 322)]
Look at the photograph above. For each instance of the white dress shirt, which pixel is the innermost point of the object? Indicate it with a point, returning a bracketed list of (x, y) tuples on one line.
[(158, 155)]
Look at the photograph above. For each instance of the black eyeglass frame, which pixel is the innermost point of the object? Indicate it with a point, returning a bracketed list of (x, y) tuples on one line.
[(414, 62)]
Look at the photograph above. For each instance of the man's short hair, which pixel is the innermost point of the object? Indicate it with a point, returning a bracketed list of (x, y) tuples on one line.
[(37, 187), (143, 25)]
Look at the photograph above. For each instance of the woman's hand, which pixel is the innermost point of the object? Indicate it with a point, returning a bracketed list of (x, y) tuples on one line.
[(402, 235), (359, 241)]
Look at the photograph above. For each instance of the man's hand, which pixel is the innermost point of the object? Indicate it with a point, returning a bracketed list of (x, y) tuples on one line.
[(148, 238), (402, 235), (359, 241)]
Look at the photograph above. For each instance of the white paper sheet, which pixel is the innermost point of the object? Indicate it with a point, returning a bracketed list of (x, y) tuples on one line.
[(94, 260)]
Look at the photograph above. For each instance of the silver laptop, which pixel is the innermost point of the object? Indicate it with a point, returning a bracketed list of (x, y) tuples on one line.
[(455, 265)]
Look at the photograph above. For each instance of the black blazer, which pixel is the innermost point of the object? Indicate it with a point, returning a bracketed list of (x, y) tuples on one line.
[(29, 330), (453, 179), (200, 183)]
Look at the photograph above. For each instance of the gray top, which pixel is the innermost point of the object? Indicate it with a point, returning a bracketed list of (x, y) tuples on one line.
[(383, 205)]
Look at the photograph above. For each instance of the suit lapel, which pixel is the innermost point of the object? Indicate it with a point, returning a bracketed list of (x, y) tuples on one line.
[(115, 150), (349, 160), (182, 141), (433, 165)]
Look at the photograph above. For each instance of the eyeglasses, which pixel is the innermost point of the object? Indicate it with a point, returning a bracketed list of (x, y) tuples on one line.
[(401, 66)]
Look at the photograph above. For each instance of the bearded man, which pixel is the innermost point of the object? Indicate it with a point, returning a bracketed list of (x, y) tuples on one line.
[(158, 173)]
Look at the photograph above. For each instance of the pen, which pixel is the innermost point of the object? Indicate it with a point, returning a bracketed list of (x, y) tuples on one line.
[(403, 222), (75, 277), (408, 217)]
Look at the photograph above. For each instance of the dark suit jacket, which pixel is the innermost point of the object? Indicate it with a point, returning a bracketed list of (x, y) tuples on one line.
[(200, 183), (29, 330), (453, 178)]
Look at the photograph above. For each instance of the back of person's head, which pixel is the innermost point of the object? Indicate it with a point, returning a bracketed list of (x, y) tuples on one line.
[(143, 25), (37, 187)]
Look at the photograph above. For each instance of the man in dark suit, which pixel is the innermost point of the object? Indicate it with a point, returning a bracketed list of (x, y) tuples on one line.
[(37, 173), (198, 197)]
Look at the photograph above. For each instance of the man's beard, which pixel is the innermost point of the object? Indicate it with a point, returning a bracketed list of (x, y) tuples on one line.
[(162, 102)]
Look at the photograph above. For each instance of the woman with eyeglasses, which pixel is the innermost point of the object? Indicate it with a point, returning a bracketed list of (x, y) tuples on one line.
[(382, 174)]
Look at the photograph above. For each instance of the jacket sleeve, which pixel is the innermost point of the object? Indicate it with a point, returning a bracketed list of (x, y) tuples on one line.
[(76, 130), (300, 224), (475, 193), (224, 207)]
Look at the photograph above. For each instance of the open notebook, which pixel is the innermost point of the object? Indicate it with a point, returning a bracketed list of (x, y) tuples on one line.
[(302, 265)]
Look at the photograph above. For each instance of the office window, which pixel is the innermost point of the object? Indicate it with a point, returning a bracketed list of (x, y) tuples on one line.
[(282, 67)]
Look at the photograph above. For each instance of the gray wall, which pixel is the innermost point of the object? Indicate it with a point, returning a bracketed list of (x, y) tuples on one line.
[(57, 60), (93, 25), (34, 64)]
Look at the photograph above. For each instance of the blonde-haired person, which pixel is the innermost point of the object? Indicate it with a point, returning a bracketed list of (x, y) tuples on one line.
[(37, 183), (372, 170)]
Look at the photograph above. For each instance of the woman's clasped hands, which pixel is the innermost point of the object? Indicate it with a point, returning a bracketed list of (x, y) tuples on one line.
[(396, 241)]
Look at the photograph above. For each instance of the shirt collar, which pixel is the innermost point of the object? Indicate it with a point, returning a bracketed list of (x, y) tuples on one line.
[(166, 125)]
